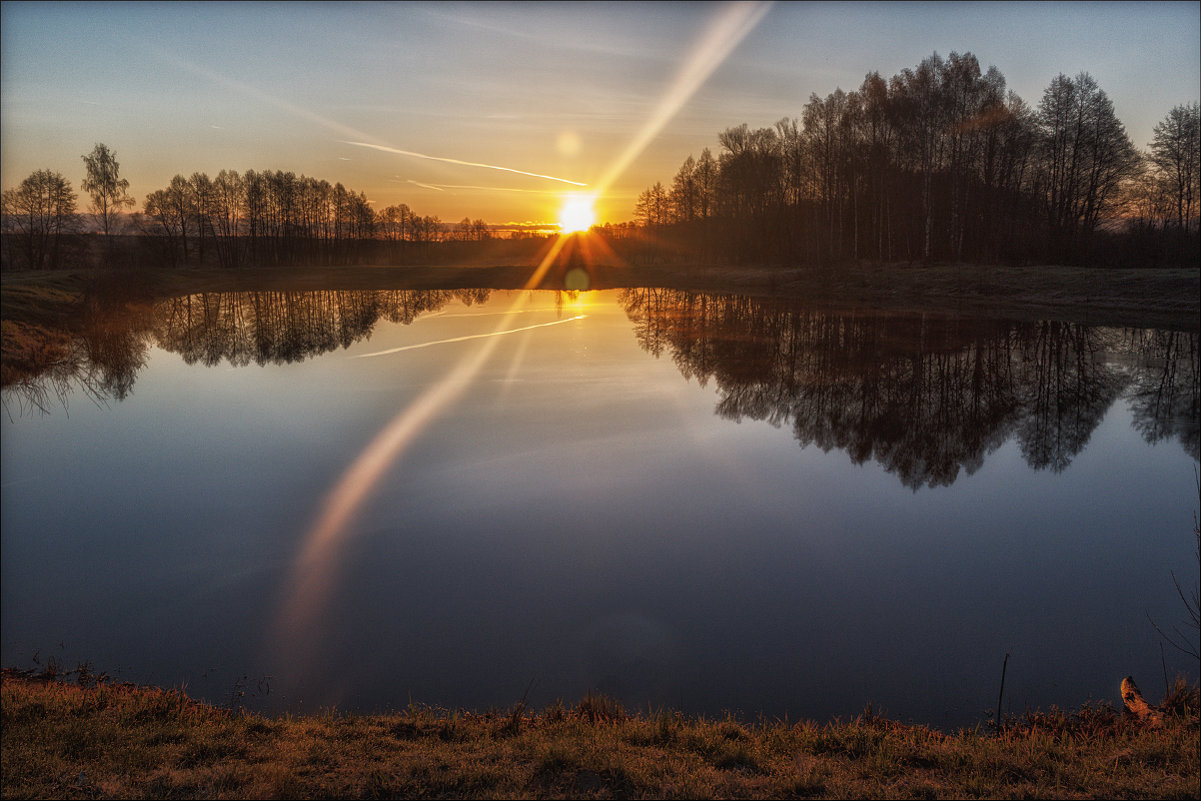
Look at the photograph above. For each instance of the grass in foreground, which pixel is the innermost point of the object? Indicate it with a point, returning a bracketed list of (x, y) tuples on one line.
[(64, 740)]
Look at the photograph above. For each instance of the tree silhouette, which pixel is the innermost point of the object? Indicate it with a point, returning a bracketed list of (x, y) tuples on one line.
[(1175, 152), (36, 215), (109, 191), (1086, 155), (941, 163)]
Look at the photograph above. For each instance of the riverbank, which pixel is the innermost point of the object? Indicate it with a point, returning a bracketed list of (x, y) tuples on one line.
[(1166, 297), (64, 740), (1151, 297)]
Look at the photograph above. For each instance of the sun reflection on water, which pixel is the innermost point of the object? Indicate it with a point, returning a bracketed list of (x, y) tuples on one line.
[(314, 572)]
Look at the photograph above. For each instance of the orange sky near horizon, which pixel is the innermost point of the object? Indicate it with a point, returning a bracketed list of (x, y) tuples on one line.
[(500, 111)]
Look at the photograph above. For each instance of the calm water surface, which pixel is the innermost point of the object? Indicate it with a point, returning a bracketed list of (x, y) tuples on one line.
[(703, 502)]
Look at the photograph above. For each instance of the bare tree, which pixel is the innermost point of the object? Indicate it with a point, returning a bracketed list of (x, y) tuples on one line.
[(652, 208), (229, 199), (1086, 153), (705, 177), (1175, 150), (104, 183), (683, 195), (36, 216)]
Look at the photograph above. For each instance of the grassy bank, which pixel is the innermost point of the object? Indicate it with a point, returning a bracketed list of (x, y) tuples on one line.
[(64, 740)]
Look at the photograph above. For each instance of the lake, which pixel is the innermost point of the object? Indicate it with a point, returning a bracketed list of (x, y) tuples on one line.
[(711, 503)]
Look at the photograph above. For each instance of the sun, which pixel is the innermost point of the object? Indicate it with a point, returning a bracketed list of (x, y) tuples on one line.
[(577, 214)]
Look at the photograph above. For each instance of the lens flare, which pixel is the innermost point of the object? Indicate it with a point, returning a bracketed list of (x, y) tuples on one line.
[(315, 569), (578, 214)]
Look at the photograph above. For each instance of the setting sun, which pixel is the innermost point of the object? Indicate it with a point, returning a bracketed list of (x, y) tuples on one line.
[(577, 214)]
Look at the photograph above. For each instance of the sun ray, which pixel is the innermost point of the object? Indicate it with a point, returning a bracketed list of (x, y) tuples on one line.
[(315, 568), (726, 31)]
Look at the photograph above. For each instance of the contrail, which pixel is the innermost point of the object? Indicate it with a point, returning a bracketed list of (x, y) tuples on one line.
[(467, 337), (334, 125), (482, 188), (400, 152)]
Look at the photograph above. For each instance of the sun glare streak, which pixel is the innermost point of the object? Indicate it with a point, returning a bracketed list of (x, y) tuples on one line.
[(523, 345), (400, 152), (315, 568), (467, 337), (729, 28), (540, 271)]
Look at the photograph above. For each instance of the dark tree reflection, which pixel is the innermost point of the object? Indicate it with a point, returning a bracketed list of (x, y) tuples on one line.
[(926, 396), (285, 327), (105, 352), (1166, 396), (1067, 387)]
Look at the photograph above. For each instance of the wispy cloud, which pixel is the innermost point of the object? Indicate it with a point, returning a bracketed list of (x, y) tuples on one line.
[(412, 154)]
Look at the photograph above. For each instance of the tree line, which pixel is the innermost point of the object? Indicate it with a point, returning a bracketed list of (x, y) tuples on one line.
[(939, 163), (272, 217)]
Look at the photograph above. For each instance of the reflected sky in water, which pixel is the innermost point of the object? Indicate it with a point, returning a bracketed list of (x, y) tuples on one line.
[(705, 503)]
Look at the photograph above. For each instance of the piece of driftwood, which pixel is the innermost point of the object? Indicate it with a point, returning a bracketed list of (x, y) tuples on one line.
[(1137, 706)]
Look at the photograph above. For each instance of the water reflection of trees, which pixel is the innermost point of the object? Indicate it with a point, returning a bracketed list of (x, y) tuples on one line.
[(925, 396), (102, 356), (285, 327), (1164, 396)]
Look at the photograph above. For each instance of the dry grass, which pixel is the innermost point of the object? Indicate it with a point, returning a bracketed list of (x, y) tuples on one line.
[(64, 740)]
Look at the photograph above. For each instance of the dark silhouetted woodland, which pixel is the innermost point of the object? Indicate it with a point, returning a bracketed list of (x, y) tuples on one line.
[(940, 163)]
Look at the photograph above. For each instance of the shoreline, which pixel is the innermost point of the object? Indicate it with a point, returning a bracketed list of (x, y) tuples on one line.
[(1150, 297), (62, 739)]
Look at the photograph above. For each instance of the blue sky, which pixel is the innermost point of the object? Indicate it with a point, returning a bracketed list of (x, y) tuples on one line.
[(555, 90)]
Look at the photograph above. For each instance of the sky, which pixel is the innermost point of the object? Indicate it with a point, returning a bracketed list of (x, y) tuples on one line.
[(518, 104)]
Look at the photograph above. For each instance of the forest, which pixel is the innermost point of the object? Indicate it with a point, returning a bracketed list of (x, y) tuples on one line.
[(937, 164), (940, 163)]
